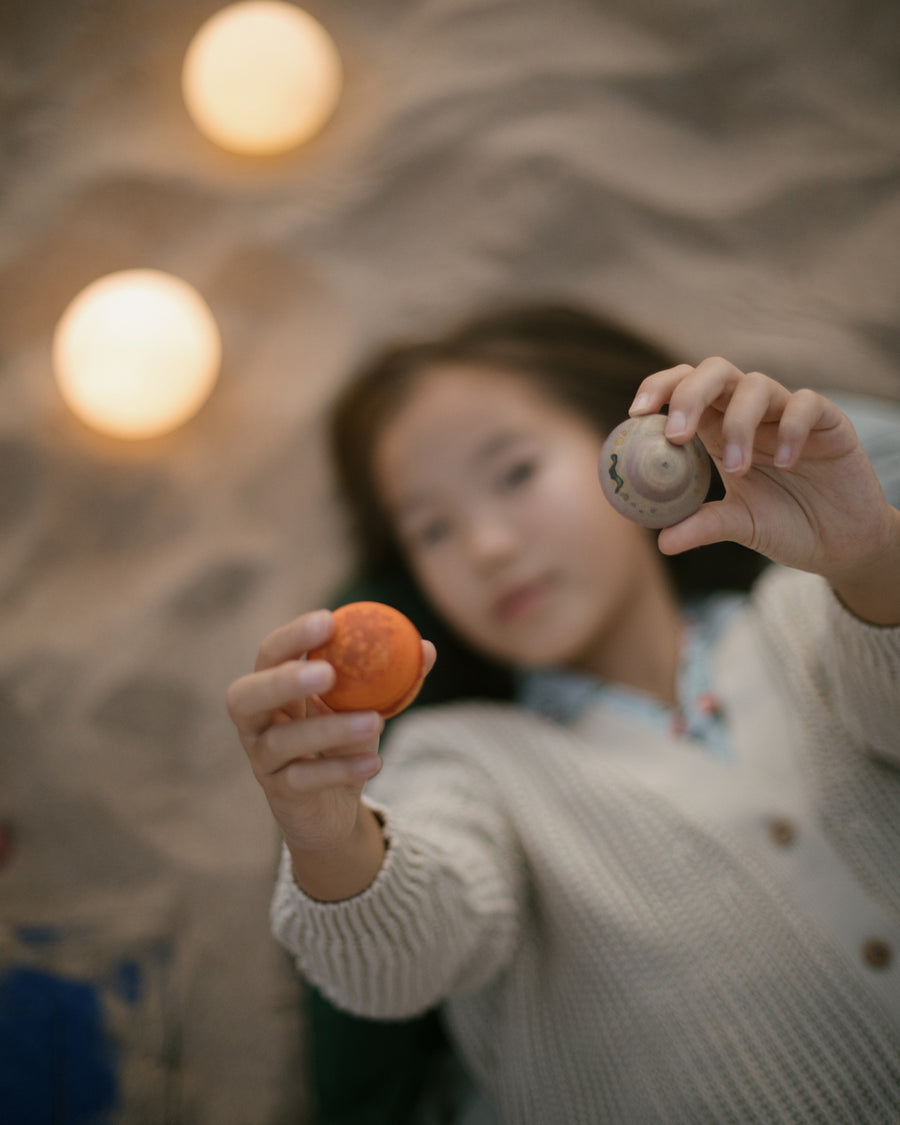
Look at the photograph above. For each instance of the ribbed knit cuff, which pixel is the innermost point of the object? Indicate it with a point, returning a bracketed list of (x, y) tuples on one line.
[(291, 904), (360, 951)]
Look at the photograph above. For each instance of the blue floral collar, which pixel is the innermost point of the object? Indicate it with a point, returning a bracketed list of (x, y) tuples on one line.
[(563, 694)]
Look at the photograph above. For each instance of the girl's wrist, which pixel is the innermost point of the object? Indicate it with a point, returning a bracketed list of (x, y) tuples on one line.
[(342, 872), (871, 591)]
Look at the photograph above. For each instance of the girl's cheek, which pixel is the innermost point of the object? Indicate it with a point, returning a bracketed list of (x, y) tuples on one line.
[(435, 580), (445, 589)]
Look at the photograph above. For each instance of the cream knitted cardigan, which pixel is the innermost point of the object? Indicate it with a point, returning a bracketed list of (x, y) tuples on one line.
[(615, 932)]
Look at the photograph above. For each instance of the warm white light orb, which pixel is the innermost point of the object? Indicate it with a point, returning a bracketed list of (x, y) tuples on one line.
[(136, 353), (261, 77)]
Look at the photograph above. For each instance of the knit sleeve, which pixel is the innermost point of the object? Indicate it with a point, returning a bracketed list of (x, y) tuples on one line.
[(855, 665), (441, 916), (862, 662)]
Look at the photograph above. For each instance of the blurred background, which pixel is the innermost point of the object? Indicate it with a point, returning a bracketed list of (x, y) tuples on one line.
[(723, 176)]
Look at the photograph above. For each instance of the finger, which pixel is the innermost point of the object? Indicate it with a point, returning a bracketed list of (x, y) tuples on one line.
[(253, 700), (334, 736), (305, 778), (712, 381), (654, 391), (295, 638), (755, 399), (429, 656), (715, 522), (804, 412)]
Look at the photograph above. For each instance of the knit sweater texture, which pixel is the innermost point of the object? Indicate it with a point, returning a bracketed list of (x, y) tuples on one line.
[(616, 925)]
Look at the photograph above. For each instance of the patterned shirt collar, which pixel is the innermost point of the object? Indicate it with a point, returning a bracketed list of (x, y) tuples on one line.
[(562, 694)]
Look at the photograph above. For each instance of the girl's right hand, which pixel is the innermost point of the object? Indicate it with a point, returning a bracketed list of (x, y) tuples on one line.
[(311, 762)]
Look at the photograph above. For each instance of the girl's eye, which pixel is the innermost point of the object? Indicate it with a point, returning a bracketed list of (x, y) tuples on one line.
[(519, 473), (430, 533)]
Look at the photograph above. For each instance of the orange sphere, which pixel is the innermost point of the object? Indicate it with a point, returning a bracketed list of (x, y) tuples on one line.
[(377, 654)]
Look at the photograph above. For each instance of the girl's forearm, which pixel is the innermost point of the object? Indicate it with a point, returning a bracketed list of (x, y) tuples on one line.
[(872, 592), (343, 872)]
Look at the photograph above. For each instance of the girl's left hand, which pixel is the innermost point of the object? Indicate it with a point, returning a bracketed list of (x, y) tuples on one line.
[(799, 488)]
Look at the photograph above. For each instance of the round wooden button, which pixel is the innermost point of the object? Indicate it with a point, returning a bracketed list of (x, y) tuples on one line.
[(877, 954), (782, 831)]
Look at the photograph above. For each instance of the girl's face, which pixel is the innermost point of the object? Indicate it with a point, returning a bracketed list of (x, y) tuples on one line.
[(492, 488)]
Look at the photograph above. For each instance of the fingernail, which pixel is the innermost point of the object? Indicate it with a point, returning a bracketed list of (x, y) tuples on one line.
[(366, 766), (318, 619), (364, 722), (784, 456), (733, 458), (676, 424), (317, 675), (641, 402)]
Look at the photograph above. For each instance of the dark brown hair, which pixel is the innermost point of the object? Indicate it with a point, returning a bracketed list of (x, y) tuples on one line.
[(582, 360)]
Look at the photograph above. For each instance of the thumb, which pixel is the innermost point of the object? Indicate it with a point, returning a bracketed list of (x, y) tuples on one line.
[(715, 522)]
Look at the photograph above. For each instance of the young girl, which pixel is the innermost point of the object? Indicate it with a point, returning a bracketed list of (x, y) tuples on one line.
[(662, 882)]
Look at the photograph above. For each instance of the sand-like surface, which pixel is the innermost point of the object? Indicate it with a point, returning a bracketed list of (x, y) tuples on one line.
[(722, 175)]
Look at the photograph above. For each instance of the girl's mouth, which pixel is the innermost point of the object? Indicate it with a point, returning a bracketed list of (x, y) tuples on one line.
[(518, 602)]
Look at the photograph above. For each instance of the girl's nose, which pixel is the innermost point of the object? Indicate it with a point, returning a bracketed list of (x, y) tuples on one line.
[(490, 542)]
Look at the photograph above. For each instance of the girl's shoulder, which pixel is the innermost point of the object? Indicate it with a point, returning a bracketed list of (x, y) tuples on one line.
[(824, 649)]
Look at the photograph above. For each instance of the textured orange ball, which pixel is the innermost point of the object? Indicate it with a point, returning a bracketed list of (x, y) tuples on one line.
[(376, 652)]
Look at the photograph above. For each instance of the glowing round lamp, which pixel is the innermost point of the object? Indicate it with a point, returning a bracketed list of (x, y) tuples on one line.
[(261, 77), (136, 353)]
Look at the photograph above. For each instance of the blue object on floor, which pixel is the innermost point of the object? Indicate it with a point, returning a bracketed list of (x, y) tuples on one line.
[(57, 1062)]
